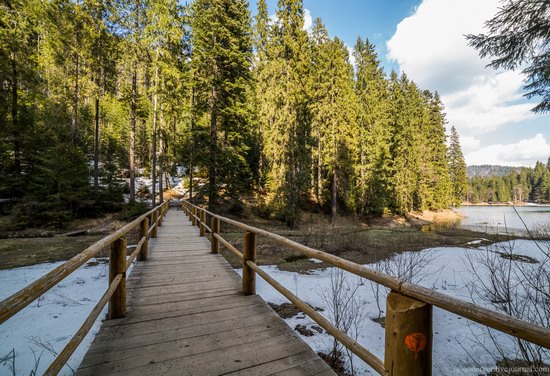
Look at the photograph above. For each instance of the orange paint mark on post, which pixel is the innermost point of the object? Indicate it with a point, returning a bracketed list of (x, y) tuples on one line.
[(416, 342)]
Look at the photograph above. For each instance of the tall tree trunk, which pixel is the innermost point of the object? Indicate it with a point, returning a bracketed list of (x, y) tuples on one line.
[(191, 161), (154, 167), (319, 172), (96, 143), (162, 151), (161, 172), (212, 190), (261, 160), (76, 93), (334, 201), (14, 120), (363, 185), (133, 134)]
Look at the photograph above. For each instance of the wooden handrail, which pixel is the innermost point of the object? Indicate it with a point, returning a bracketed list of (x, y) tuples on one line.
[(66, 353), (505, 323), (353, 345), (16, 302), (28, 294)]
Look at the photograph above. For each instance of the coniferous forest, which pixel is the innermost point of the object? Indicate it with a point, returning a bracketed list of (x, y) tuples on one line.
[(94, 92), (519, 185)]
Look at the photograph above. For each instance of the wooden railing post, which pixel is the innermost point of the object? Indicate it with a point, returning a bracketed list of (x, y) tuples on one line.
[(249, 253), (408, 336), (193, 214), (117, 265), (202, 229), (155, 231), (143, 231), (161, 214), (215, 226)]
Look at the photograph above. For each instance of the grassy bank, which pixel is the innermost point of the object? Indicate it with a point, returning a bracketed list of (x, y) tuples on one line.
[(361, 241), (350, 238)]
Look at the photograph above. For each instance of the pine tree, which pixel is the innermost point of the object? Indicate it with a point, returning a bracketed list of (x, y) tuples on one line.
[(101, 54), (319, 40), (405, 117), (288, 130), (334, 114), (373, 167), (222, 57), (434, 169), (457, 169), (131, 24), (19, 30), (264, 115), (166, 40)]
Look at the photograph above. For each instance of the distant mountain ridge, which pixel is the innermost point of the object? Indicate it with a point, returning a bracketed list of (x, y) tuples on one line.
[(489, 170)]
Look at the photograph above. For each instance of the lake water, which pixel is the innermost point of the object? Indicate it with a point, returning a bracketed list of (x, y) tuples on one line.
[(500, 218)]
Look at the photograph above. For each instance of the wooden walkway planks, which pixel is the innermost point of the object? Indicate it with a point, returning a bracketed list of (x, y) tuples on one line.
[(187, 316)]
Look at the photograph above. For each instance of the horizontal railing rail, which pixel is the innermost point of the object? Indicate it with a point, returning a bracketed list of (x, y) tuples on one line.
[(416, 301), (115, 294)]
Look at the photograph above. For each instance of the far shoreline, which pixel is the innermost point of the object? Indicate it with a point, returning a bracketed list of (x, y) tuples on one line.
[(523, 204)]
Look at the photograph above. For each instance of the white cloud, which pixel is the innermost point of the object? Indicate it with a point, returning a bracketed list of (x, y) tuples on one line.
[(350, 53), (523, 153), (431, 48), (433, 37), (487, 104), (308, 21), (469, 144)]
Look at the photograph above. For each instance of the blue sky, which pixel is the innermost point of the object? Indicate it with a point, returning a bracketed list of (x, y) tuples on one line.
[(425, 38)]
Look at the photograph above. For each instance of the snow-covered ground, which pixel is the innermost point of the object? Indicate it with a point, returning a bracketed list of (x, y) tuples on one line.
[(51, 321), (48, 324), (457, 349)]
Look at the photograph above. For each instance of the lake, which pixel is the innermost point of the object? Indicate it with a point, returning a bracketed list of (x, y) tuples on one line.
[(500, 218)]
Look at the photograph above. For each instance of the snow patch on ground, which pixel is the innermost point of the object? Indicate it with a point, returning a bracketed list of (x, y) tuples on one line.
[(51, 320)]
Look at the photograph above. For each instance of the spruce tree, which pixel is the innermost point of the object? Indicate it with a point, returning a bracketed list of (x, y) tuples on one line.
[(221, 63), (287, 132), (457, 169), (19, 30), (373, 168), (434, 166), (334, 114), (264, 114), (131, 24), (404, 145), (319, 40)]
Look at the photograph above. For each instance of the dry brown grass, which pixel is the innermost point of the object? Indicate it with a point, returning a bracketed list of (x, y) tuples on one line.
[(348, 237), (18, 252)]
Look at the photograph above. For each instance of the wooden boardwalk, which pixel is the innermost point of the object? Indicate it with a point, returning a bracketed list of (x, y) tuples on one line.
[(187, 316)]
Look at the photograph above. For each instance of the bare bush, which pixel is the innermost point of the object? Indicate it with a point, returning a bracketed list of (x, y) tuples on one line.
[(346, 309), (517, 285), (8, 361), (408, 266)]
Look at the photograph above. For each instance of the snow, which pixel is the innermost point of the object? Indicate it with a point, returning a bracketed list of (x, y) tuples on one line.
[(477, 241), (145, 183), (54, 318)]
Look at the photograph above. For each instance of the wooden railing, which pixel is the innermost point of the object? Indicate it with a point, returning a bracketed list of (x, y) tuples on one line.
[(408, 339), (115, 295)]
